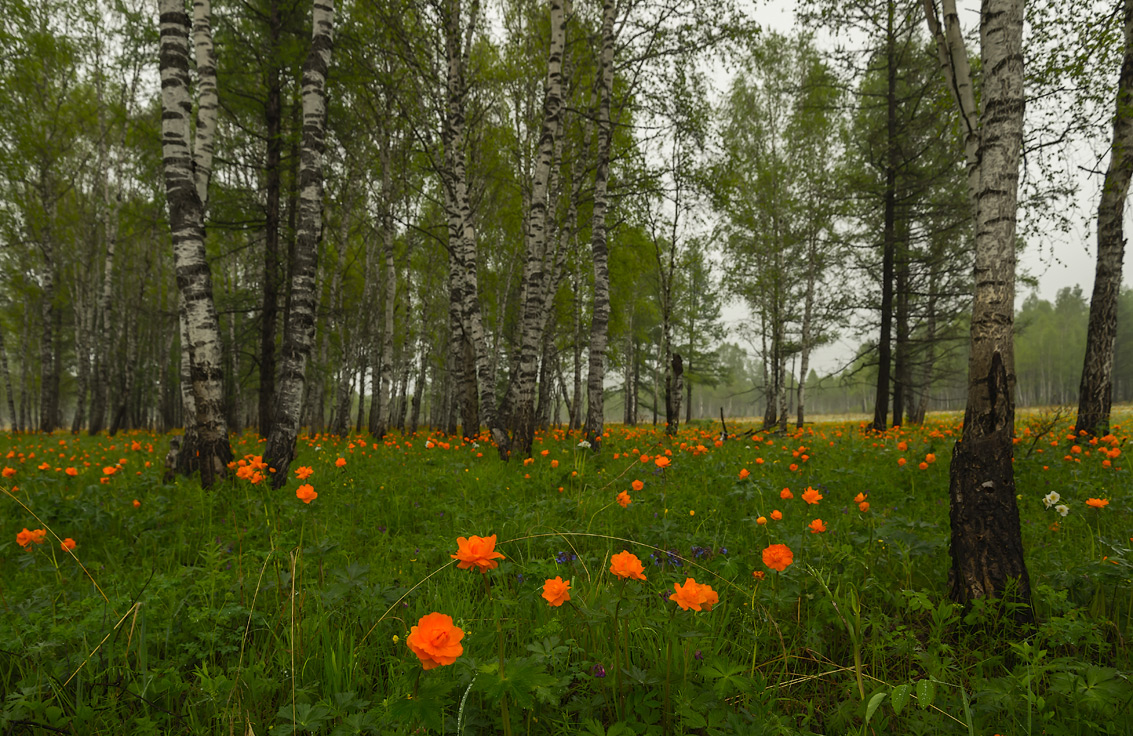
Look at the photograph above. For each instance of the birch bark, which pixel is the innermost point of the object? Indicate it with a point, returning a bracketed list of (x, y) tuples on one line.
[(187, 169), (986, 544), (297, 341), (599, 252)]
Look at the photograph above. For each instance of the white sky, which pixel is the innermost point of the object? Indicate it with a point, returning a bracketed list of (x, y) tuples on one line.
[(1061, 261)]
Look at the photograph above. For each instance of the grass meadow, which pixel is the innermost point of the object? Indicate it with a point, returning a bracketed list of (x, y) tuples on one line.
[(819, 562)]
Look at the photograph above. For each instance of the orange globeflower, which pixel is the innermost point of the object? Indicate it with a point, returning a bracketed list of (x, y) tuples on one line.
[(637, 485), (303, 472), (8, 472), (761, 520), (1097, 503), (626, 565), (67, 544), (306, 493), (786, 494), (137, 503), (341, 462), (624, 499), (477, 551), (930, 458), (778, 556), (900, 461), (744, 473), (859, 498), (816, 526), (694, 595), (435, 640), (661, 461), (776, 515), (556, 592), (109, 470), (812, 496), (758, 574), (25, 537), (923, 465), (864, 506), (71, 472)]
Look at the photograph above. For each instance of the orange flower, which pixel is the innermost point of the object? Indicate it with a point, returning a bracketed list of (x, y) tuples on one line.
[(758, 574), (554, 463), (930, 458), (694, 595), (109, 470), (816, 526), (902, 446), (864, 506), (137, 503), (776, 515), (306, 493), (477, 551), (556, 592), (624, 499), (900, 461), (8, 472), (778, 556), (67, 544), (793, 467), (923, 465), (744, 473), (626, 565), (71, 472), (812, 496), (859, 498), (341, 462), (435, 640), (761, 520), (303, 472), (661, 461), (637, 485), (25, 537), (786, 494), (1097, 503)]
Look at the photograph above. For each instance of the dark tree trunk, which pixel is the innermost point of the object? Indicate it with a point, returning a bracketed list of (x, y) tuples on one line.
[(1095, 395), (889, 237)]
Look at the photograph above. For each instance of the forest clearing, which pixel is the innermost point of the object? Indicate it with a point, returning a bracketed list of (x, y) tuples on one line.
[(248, 609)]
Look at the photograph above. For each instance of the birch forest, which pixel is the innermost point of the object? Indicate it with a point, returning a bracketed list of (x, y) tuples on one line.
[(379, 215)]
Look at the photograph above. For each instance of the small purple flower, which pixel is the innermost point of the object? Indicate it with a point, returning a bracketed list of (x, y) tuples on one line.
[(598, 670), (699, 655)]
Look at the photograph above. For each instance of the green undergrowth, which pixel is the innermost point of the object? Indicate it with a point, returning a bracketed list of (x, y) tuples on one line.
[(245, 610)]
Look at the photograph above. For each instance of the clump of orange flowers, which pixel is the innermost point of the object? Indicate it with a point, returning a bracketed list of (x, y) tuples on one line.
[(26, 538), (556, 591), (694, 595), (778, 557), (435, 640), (625, 565), (478, 552)]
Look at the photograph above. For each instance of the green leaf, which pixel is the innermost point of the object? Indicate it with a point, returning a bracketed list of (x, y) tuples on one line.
[(874, 703), (926, 691), (900, 697)]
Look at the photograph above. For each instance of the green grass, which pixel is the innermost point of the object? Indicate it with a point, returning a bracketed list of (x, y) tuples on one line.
[(244, 610)]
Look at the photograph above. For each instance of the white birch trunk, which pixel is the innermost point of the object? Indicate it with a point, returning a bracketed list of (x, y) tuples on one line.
[(186, 177)]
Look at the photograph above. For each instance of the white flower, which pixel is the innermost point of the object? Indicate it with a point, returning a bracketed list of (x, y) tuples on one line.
[(1051, 499), (1062, 509), (475, 445), (585, 444)]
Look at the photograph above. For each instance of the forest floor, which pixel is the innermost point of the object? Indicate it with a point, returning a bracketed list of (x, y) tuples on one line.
[(369, 597)]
